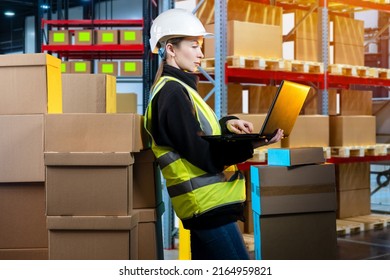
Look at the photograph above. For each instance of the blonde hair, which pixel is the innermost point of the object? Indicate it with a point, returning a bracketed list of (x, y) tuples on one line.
[(174, 41)]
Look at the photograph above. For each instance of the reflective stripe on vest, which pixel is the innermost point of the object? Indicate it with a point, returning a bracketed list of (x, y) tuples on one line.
[(192, 190)]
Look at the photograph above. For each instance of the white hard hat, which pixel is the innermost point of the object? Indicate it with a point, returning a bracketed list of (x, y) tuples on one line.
[(175, 23)]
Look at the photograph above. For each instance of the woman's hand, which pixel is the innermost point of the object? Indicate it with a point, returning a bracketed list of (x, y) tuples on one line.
[(276, 138), (239, 126)]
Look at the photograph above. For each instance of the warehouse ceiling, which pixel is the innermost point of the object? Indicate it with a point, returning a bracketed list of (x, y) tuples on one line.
[(12, 27)]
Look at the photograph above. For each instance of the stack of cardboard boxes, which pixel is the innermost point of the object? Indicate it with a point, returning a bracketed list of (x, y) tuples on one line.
[(76, 185), (294, 206), (31, 88)]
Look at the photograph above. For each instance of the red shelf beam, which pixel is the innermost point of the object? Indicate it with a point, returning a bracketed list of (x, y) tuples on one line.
[(87, 23)]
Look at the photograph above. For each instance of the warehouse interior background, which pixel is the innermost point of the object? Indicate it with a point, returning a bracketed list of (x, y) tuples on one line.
[(22, 32)]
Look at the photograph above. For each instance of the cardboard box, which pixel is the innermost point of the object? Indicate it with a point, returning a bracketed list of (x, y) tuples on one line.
[(260, 98), (59, 37), (21, 148), (306, 236), (92, 238), (382, 118), (353, 176), (83, 37), (309, 131), (147, 189), (66, 67), (108, 67), (149, 239), (31, 84), (347, 30), (89, 184), (130, 36), (352, 130), (81, 67), (22, 216), (24, 254), (313, 103), (242, 42), (89, 93), (347, 54), (126, 103), (355, 102), (131, 68), (306, 49), (95, 133), (234, 92), (106, 37), (353, 203), (286, 190), (295, 156)]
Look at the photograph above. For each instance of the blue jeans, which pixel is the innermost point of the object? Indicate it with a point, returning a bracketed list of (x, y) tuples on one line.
[(221, 243)]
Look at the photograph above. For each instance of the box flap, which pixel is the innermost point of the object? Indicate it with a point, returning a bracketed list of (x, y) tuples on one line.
[(29, 59), (91, 223), (88, 159)]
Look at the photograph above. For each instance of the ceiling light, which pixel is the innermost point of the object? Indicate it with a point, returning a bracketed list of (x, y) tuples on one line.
[(45, 6), (9, 13)]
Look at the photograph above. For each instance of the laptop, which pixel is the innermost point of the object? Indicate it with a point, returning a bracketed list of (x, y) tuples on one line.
[(283, 112)]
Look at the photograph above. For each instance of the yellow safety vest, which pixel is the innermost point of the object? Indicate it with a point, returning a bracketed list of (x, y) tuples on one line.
[(192, 190)]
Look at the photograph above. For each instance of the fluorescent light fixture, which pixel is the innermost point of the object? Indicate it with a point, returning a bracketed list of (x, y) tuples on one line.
[(9, 13), (45, 6)]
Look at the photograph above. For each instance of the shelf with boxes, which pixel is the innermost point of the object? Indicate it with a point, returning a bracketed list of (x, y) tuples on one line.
[(117, 44)]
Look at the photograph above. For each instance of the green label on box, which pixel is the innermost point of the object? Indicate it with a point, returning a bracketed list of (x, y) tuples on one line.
[(59, 37), (63, 67), (130, 66), (84, 36), (80, 66), (107, 68), (130, 36), (108, 37)]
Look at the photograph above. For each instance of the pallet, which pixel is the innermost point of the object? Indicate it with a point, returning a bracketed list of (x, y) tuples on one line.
[(345, 227), (274, 64), (371, 222), (382, 73), (360, 151), (348, 70)]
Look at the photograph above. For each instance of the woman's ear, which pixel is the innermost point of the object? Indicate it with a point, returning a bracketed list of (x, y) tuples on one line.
[(170, 49)]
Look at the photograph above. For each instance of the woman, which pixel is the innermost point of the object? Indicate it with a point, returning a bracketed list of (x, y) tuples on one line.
[(206, 189)]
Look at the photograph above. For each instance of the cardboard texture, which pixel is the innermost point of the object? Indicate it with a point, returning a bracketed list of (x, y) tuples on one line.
[(243, 41), (234, 92), (106, 37), (21, 148), (131, 68), (126, 103), (40, 90), (92, 238), (83, 37), (108, 67), (306, 236), (295, 156), (130, 36), (147, 192), (306, 49), (22, 216), (59, 37), (353, 203), (352, 130), (353, 176), (313, 103), (260, 98), (348, 30), (348, 54), (89, 184), (89, 93), (80, 67), (66, 67), (308, 27), (147, 241), (24, 254), (355, 102), (94, 133), (247, 11), (308, 131), (286, 190)]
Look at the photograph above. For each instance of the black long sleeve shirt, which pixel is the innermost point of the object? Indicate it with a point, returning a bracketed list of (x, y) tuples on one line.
[(175, 125)]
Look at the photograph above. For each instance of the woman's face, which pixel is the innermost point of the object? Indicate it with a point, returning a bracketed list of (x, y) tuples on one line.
[(187, 54)]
